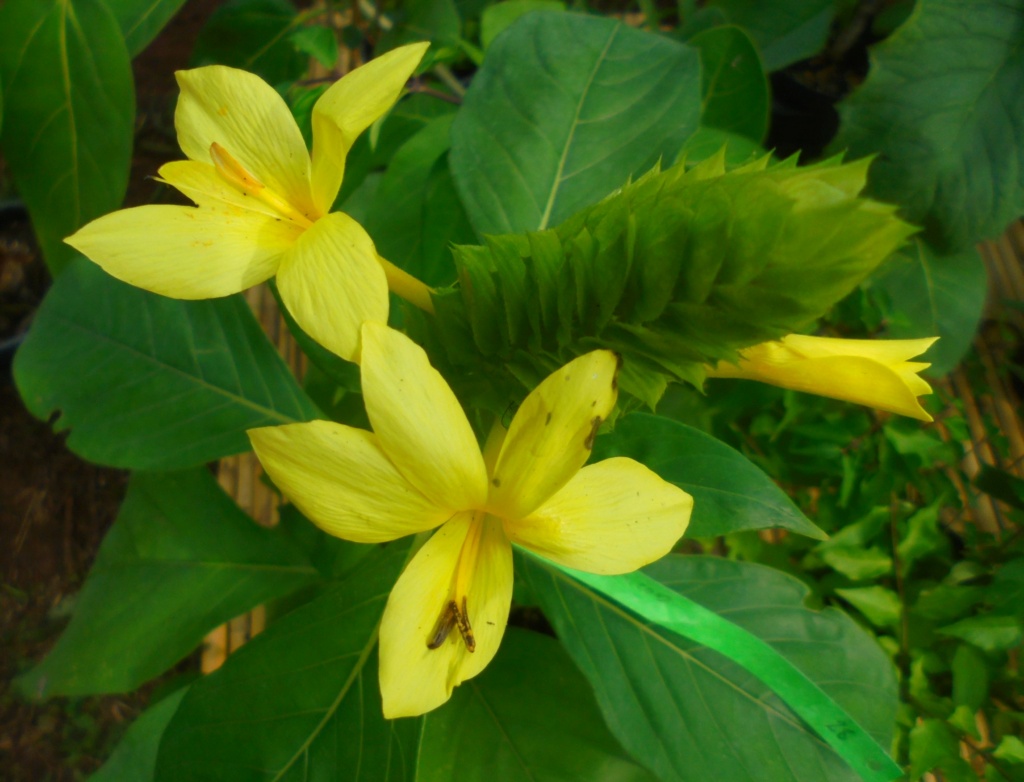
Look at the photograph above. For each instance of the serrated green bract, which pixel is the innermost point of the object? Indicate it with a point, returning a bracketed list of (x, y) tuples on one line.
[(675, 270)]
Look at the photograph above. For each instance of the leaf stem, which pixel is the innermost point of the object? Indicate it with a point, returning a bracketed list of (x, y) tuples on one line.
[(414, 291)]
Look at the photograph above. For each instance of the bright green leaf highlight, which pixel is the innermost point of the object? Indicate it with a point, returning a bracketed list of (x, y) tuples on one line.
[(301, 700), (989, 633), (942, 107), (881, 606), (730, 493), (530, 716), (652, 683), (180, 560), (70, 106), (564, 110), (148, 382)]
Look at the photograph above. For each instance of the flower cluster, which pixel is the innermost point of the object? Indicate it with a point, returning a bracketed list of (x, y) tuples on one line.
[(263, 208)]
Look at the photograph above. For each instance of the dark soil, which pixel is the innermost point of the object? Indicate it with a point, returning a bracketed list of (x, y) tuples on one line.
[(55, 508)]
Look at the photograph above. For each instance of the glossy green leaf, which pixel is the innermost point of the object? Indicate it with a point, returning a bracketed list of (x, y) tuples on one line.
[(1010, 749), (786, 30), (990, 633), (498, 17), (723, 722), (180, 559), (415, 215), (134, 758), (142, 20), (733, 83), (70, 108), (301, 700), (318, 42), (565, 109), (942, 107), (252, 35), (934, 746), (934, 295), (530, 717), (148, 382), (730, 493), (881, 606)]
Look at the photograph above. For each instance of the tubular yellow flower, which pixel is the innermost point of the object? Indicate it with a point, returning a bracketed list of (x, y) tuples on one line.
[(422, 468), (262, 204), (876, 373)]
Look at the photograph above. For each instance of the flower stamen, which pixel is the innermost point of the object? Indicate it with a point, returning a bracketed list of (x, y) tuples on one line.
[(235, 174)]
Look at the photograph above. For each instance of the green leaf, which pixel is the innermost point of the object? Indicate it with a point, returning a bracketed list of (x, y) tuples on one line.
[(529, 716), (923, 535), (970, 677), (931, 295), (422, 20), (989, 633), (301, 700), (134, 759), (252, 35), (180, 559), (858, 564), (947, 128), (1004, 486), (142, 20), (70, 108), (723, 722), (318, 42), (496, 18), (564, 110), (786, 30), (730, 493), (148, 382), (933, 745), (415, 214), (733, 83), (1010, 749), (881, 606)]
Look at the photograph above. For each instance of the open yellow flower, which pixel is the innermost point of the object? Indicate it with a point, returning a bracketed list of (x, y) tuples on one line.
[(262, 204), (421, 468), (876, 373)]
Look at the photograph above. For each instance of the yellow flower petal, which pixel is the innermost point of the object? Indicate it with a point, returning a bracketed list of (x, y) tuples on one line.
[(420, 423), (187, 252), (341, 481), (349, 107), (612, 517), (202, 183), (246, 116), (552, 433), (875, 373), (413, 678), (331, 281)]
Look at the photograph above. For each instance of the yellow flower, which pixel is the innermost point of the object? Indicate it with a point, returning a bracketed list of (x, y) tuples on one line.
[(421, 468), (876, 373), (262, 205)]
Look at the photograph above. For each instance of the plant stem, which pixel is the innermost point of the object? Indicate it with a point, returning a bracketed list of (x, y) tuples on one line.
[(414, 291), (445, 75)]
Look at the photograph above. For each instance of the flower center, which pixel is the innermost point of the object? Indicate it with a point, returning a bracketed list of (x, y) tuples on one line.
[(235, 174), (455, 612)]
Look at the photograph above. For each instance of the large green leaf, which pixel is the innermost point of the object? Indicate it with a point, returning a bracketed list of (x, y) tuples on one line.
[(300, 701), (180, 560), (134, 759), (530, 717), (730, 493), (70, 108), (689, 713), (148, 382), (142, 20), (942, 107), (565, 109), (733, 83), (932, 295), (786, 30)]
